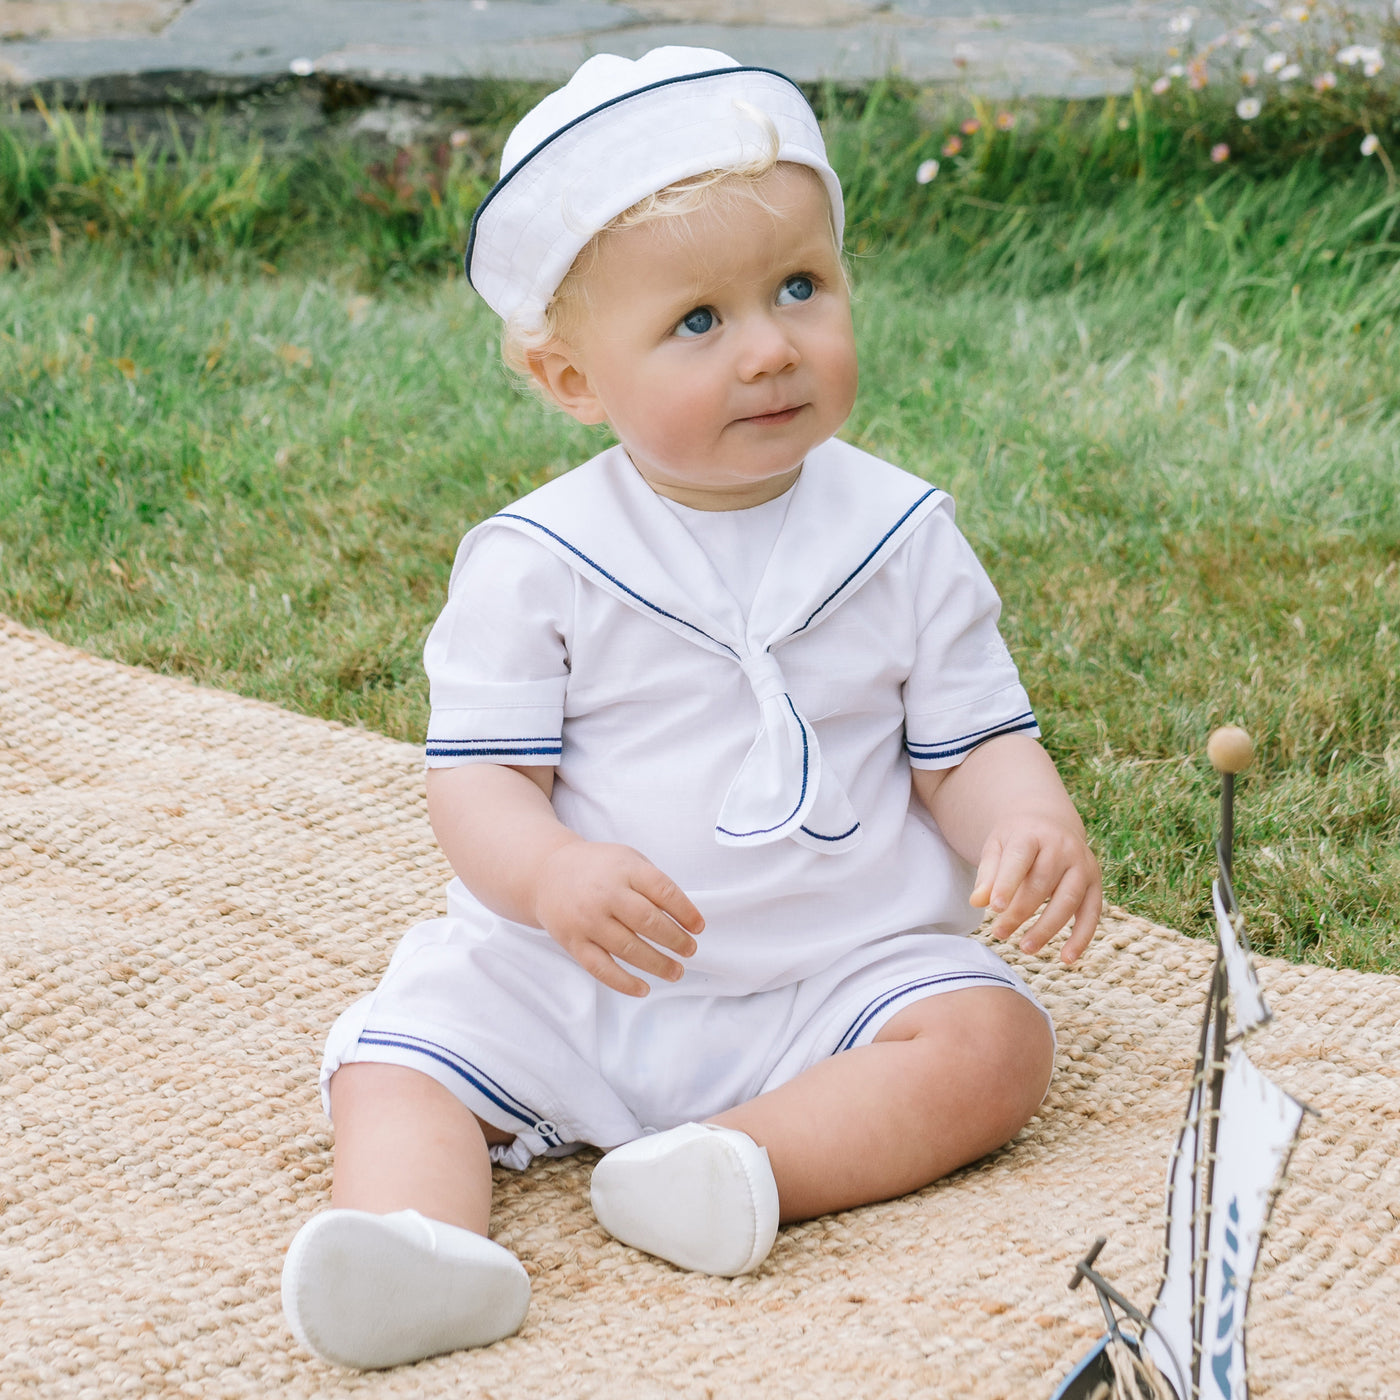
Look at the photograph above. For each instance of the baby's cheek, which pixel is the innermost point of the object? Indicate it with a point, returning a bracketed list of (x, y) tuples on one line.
[(673, 431)]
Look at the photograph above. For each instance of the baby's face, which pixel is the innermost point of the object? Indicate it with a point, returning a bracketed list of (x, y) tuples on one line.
[(721, 352)]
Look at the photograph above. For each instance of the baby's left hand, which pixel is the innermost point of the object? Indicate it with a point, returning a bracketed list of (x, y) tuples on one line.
[(1029, 859)]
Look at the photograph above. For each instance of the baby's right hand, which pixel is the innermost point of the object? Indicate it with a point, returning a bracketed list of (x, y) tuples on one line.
[(602, 902)]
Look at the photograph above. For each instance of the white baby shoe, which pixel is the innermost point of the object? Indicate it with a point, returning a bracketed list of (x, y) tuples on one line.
[(699, 1196), (378, 1290)]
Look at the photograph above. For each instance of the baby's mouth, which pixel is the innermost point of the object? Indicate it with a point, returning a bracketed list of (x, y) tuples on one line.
[(782, 415)]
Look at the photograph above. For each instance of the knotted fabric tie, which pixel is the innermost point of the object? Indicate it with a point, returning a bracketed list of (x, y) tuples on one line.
[(607, 524), (781, 789)]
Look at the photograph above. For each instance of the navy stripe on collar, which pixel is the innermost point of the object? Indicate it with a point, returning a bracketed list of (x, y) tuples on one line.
[(612, 578), (854, 572)]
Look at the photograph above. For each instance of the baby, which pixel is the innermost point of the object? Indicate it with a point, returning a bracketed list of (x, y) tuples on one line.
[(725, 751)]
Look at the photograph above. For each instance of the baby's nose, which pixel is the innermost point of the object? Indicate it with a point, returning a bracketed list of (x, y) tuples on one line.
[(767, 349)]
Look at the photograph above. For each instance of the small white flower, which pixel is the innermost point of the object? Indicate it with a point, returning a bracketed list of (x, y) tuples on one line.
[(928, 170), (1370, 145), (1275, 61), (1325, 82), (1288, 72), (1365, 56), (303, 67), (1243, 38), (1247, 108), (1297, 13), (1161, 85), (1180, 24), (1177, 70)]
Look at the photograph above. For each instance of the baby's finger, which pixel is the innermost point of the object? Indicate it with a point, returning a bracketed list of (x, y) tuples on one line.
[(1016, 862), (599, 965), (1086, 923), (1019, 889), (640, 915), (986, 872), (1068, 896), (631, 948), (667, 896)]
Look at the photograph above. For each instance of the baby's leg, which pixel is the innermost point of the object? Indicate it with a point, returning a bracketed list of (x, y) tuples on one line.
[(947, 1080), (403, 1142), (400, 1267)]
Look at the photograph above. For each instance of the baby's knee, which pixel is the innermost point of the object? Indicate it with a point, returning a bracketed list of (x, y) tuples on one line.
[(1019, 1060), (995, 1044), (1021, 1040)]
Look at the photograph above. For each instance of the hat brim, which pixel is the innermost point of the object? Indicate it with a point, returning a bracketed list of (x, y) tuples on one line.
[(529, 229)]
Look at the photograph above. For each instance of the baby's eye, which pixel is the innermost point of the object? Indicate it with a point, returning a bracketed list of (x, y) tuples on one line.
[(696, 322), (796, 289)]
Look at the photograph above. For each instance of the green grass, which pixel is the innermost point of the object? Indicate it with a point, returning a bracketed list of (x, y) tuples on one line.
[(223, 197), (1168, 410)]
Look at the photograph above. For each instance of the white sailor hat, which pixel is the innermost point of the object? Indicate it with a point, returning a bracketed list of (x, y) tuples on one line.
[(619, 130)]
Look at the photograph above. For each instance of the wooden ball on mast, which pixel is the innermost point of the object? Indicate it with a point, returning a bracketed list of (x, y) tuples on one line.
[(1231, 751)]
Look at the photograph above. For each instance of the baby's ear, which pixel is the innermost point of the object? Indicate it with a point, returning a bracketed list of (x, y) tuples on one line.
[(561, 379)]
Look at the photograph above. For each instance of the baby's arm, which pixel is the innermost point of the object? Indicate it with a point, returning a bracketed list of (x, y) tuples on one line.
[(599, 901), (1005, 807)]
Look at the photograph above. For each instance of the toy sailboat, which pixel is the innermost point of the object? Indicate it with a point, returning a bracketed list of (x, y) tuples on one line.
[(1225, 1173)]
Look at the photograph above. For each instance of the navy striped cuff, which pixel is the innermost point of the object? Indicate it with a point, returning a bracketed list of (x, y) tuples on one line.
[(529, 747), (965, 743)]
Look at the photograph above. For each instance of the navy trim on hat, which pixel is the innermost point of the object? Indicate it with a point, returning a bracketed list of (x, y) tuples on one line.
[(593, 112)]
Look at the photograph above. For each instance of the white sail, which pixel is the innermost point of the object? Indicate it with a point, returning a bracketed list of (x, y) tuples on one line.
[(1168, 1339), (1238, 1131), (1258, 1123), (1246, 999)]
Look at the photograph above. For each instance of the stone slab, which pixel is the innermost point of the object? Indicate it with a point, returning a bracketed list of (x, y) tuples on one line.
[(115, 51), (144, 51)]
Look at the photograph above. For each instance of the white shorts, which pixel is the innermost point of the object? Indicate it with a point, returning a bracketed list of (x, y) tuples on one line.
[(536, 1047)]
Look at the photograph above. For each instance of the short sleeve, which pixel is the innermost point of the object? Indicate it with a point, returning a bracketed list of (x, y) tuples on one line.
[(963, 688), (497, 656)]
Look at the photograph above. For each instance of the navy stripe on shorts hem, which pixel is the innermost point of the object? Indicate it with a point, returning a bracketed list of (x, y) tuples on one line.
[(477, 1077), (886, 998)]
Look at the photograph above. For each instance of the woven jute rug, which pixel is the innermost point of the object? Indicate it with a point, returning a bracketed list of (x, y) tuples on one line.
[(192, 885)]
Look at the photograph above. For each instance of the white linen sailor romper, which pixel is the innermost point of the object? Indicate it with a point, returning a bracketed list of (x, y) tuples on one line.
[(761, 760)]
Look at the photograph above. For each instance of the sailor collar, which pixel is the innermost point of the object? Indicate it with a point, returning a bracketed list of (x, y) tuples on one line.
[(848, 513)]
